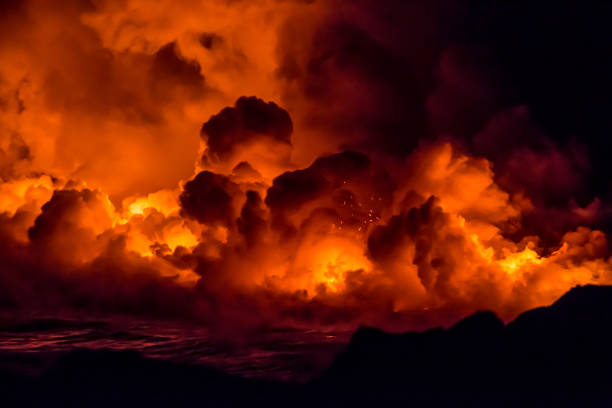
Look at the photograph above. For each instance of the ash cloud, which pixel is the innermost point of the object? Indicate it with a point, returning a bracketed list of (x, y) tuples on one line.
[(250, 120), (208, 198), (169, 69), (293, 189), (351, 87)]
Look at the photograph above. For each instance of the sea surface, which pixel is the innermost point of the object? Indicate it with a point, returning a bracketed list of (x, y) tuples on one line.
[(30, 346)]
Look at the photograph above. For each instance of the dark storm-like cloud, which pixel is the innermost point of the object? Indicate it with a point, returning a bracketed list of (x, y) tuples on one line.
[(469, 89), (419, 225), (170, 69), (245, 170), (560, 74), (248, 121), (58, 215), (344, 190), (293, 189), (460, 65), (207, 198), (352, 86), (527, 158), (554, 174), (252, 221)]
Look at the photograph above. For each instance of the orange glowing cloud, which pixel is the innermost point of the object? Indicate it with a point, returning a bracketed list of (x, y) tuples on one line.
[(279, 162)]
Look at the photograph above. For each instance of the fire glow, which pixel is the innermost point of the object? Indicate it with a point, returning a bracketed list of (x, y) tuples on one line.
[(274, 209)]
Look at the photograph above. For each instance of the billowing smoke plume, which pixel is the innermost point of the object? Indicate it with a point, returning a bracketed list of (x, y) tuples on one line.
[(326, 162)]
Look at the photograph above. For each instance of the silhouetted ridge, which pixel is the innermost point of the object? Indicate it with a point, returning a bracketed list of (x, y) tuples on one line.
[(583, 310), (479, 322), (588, 296), (552, 356)]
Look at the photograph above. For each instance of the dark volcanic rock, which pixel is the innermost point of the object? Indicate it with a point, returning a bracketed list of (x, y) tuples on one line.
[(559, 355)]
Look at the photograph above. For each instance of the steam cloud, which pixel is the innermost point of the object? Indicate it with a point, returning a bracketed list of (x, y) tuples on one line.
[(302, 162)]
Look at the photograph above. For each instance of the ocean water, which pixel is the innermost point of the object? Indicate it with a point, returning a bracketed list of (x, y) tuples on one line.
[(30, 346)]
